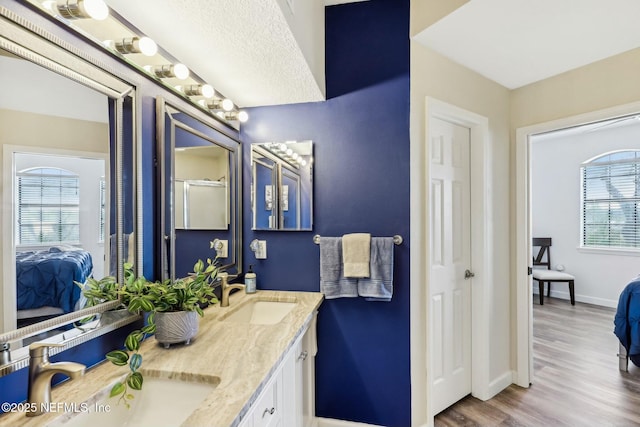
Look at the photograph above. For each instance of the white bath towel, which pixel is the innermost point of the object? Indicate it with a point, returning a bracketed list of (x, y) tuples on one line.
[(356, 253)]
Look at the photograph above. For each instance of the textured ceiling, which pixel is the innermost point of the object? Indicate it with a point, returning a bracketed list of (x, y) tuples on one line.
[(244, 48), (517, 42)]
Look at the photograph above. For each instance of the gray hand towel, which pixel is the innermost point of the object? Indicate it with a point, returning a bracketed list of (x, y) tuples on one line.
[(333, 284), (379, 285)]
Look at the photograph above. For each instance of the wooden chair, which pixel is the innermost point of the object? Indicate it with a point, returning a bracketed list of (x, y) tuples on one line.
[(542, 276)]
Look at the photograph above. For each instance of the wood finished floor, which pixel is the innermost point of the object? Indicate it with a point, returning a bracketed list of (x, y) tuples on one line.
[(576, 377)]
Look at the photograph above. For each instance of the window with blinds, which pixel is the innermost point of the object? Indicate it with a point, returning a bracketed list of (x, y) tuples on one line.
[(102, 210), (48, 206), (610, 199)]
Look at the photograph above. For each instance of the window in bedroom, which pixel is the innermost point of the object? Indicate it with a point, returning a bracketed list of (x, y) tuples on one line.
[(610, 199), (48, 206), (102, 210)]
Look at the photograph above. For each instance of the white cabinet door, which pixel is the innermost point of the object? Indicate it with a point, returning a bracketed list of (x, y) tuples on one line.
[(291, 381), (267, 411), (288, 400)]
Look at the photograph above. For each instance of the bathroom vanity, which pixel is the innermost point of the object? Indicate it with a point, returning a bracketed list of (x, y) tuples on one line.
[(256, 356)]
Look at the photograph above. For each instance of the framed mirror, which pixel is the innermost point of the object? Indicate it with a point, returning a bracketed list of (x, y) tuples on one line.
[(200, 190), (282, 185), (68, 185)]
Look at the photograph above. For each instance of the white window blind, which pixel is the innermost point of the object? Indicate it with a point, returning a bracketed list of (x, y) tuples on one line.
[(610, 199), (102, 190), (48, 206)]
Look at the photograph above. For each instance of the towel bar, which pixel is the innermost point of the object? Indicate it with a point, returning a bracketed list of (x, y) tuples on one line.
[(397, 239)]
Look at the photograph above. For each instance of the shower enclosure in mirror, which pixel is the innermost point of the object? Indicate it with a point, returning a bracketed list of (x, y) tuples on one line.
[(282, 185), (68, 185), (200, 184)]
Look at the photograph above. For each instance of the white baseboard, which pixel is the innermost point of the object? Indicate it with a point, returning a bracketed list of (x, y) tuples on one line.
[(500, 383), (330, 422), (579, 298)]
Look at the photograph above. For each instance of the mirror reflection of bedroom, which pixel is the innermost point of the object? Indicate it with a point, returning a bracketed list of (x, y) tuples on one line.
[(56, 189)]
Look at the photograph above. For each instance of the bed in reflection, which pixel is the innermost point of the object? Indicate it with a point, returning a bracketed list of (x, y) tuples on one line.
[(45, 281)]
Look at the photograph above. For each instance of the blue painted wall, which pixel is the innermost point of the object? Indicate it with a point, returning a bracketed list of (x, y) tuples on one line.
[(361, 184)]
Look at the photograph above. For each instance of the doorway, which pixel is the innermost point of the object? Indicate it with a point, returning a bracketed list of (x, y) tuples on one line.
[(524, 226)]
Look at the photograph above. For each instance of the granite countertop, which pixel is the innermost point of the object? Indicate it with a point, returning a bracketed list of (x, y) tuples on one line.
[(240, 356)]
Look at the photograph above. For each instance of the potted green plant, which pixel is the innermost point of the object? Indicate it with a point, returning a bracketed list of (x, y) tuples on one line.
[(163, 301)]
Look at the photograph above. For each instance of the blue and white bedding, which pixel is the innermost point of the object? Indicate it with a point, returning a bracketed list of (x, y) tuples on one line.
[(46, 278)]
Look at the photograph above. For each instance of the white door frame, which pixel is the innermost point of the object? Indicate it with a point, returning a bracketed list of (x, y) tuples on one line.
[(524, 298), (481, 250)]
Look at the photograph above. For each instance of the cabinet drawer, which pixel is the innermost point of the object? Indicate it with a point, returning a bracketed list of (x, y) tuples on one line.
[(267, 409)]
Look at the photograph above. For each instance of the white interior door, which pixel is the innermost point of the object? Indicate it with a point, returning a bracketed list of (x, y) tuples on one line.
[(450, 250)]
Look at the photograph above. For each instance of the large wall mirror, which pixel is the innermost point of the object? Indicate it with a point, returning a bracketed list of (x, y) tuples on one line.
[(68, 185), (200, 190), (282, 185)]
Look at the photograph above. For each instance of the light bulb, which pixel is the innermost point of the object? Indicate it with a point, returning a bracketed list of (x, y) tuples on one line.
[(198, 90), (295, 156), (243, 116), (180, 71), (304, 162), (143, 45), (283, 147), (207, 91), (227, 104), (289, 152), (96, 9), (147, 46)]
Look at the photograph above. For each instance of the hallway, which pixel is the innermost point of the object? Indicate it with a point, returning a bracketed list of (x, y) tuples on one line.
[(576, 382)]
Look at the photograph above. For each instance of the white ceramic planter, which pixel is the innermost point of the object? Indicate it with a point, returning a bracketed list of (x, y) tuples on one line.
[(176, 327)]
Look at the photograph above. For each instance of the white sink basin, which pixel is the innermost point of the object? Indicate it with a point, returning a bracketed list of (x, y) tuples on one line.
[(161, 402), (260, 312)]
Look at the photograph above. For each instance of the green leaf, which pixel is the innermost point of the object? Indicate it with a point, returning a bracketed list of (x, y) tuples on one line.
[(129, 396), (117, 389), (149, 328), (135, 381), (118, 357), (131, 342), (135, 362)]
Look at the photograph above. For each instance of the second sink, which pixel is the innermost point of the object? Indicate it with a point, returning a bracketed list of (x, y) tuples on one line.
[(260, 312), (162, 401)]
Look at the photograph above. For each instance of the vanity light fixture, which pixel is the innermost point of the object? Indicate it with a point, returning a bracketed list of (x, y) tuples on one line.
[(241, 116), (179, 71), (79, 9), (198, 90), (143, 45)]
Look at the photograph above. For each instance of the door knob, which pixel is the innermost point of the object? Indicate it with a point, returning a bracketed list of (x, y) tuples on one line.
[(468, 274)]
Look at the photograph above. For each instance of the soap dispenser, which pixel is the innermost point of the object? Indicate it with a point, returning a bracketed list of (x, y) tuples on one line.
[(250, 281)]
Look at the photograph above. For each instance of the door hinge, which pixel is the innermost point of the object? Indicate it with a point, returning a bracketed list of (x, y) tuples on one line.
[(529, 271)]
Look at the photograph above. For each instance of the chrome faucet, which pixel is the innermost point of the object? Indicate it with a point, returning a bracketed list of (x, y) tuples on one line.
[(40, 373), (226, 289)]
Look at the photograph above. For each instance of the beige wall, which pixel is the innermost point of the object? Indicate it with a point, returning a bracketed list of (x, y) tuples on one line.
[(435, 76), (426, 12), (607, 83)]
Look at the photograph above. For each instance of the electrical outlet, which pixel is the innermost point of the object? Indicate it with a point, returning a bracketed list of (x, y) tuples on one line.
[(261, 253), (223, 249)]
